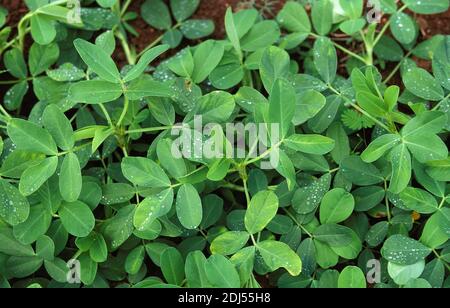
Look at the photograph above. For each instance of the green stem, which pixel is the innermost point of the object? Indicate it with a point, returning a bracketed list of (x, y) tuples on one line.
[(342, 48), (157, 41), (149, 129), (233, 187), (440, 103), (124, 111), (386, 201), (263, 155), (107, 116), (3, 110), (125, 8), (442, 202), (386, 27), (395, 70), (75, 149), (131, 59), (297, 223)]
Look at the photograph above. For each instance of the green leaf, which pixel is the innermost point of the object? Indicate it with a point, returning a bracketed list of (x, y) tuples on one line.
[(427, 7), (342, 143), (98, 60), (57, 269), (311, 144), (15, 63), (42, 57), (232, 33), (215, 107), (98, 251), (43, 29), (172, 266), (261, 210), (195, 29), (221, 272), (325, 59), (419, 82), (183, 9), (70, 180), (403, 28), (425, 147), (403, 274), (308, 105), (294, 18), (352, 8), (207, 57), (352, 26), (77, 218), (144, 172), (419, 200), (36, 225), (175, 166), (431, 122), (145, 87), (45, 248), (11, 246), (337, 205), (401, 169), (402, 250), (279, 255), (374, 105), (322, 16), (59, 127), (195, 270), (333, 235), (182, 63), (352, 277), (275, 63), (359, 172), (30, 137), (35, 176), (134, 260), (229, 243), (14, 208), (435, 232), (156, 14), (261, 35), (145, 61), (282, 106), (14, 96), (94, 92), (379, 147), (189, 207), (152, 208)]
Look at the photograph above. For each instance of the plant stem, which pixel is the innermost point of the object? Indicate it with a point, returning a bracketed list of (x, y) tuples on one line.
[(3, 110), (131, 59), (386, 27), (75, 149), (107, 116), (157, 41), (263, 155), (124, 111), (125, 8), (349, 103), (342, 48), (149, 129), (233, 187), (386, 201), (395, 70), (297, 223), (440, 103)]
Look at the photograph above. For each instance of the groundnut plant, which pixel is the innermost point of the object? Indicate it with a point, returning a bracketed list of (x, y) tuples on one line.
[(304, 150)]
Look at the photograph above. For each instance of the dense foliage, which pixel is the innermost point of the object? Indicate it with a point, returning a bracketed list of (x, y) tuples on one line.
[(88, 172)]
